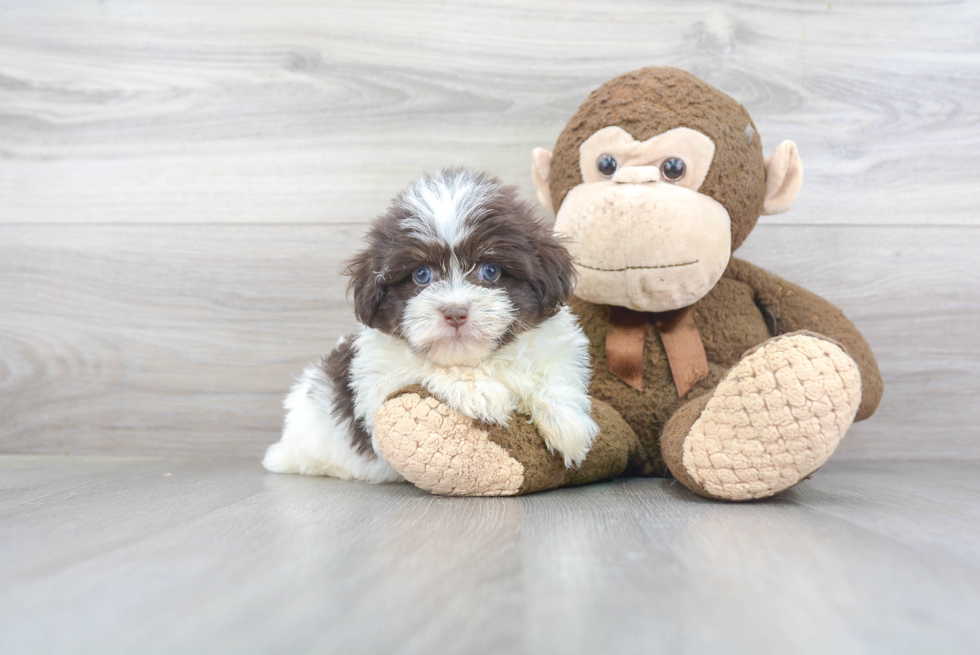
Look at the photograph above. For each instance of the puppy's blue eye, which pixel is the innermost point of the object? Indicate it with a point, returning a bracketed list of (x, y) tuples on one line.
[(422, 275), (489, 272)]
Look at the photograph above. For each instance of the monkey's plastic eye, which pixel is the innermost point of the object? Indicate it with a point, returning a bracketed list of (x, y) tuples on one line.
[(489, 272), (673, 169), (422, 275), (607, 165)]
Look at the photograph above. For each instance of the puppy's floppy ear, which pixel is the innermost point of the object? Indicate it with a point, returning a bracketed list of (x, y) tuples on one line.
[(364, 285), (556, 279)]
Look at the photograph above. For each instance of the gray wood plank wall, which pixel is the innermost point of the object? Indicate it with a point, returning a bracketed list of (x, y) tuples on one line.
[(180, 183)]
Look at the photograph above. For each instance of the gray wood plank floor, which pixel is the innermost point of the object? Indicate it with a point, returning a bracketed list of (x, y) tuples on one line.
[(204, 555)]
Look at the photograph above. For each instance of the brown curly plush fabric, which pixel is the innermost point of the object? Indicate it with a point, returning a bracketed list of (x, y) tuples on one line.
[(650, 101), (747, 307), (730, 323), (794, 308)]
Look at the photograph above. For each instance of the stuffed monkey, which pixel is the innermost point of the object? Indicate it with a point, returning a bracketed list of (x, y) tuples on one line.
[(737, 383)]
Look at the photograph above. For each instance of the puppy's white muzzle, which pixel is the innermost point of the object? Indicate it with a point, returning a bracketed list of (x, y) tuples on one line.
[(457, 323)]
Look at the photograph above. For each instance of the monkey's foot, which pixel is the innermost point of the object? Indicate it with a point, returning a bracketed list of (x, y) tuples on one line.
[(443, 452), (776, 418)]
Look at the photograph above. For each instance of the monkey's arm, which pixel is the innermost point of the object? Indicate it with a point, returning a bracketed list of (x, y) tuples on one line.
[(444, 452), (794, 308)]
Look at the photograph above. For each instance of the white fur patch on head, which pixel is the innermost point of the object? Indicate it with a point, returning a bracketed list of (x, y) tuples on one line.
[(445, 207), (490, 314)]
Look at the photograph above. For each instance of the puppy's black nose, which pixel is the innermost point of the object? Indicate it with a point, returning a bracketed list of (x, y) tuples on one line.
[(455, 316)]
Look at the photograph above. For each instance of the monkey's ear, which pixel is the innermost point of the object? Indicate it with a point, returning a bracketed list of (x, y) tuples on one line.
[(540, 172), (784, 176)]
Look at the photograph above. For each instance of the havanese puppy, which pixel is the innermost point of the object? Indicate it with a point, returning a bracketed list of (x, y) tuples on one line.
[(461, 289)]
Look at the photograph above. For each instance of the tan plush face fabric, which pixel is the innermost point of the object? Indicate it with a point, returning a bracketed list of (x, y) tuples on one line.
[(639, 240), (660, 247)]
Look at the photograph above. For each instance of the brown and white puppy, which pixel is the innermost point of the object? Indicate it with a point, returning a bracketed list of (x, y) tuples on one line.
[(463, 290)]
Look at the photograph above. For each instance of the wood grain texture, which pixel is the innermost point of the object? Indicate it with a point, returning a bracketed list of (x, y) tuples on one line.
[(197, 555), (181, 181), (173, 339), (311, 111)]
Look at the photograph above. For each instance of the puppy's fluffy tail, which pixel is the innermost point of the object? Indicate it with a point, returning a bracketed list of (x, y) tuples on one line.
[(279, 458)]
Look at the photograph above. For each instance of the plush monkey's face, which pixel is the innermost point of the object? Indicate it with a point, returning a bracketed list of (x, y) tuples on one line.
[(657, 178), (662, 244)]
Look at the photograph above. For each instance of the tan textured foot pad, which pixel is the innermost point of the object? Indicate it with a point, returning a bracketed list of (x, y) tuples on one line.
[(775, 418), (444, 452)]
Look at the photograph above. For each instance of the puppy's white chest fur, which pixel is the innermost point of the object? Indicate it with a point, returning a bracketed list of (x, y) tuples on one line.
[(544, 373)]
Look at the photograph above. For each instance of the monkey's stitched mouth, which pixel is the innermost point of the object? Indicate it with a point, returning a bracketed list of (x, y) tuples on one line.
[(637, 268)]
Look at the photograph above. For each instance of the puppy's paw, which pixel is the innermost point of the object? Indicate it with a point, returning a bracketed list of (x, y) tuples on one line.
[(568, 431), (482, 400)]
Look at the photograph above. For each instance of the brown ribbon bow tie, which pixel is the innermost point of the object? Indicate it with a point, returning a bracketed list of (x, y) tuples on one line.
[(681, 339)]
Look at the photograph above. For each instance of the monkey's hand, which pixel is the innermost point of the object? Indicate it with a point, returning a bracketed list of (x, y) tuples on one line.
[(445, 452)]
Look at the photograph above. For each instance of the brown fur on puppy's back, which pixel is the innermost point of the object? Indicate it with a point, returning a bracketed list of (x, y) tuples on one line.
[(336, 365)]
